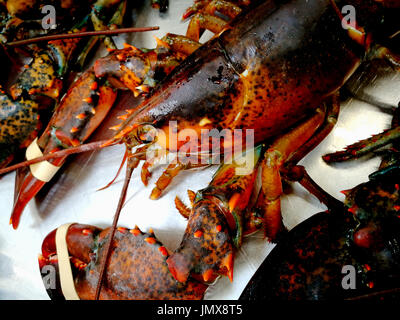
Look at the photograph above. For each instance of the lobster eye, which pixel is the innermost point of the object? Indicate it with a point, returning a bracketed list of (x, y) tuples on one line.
[(146, 133)]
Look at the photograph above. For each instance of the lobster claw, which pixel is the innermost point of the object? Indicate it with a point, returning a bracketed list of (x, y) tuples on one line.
[(207, 228), (80, 112), (217, 221), (136, 268), (30, 181)]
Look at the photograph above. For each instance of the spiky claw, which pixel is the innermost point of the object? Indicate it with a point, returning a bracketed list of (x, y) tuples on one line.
[(136, 269)]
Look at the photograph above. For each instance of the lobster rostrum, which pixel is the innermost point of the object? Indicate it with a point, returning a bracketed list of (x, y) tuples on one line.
[(360, 240)]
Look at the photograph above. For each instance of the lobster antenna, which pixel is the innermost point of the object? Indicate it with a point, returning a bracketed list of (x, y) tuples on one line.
[(79, 35), (58, 154), (118, 172), (128, 175)]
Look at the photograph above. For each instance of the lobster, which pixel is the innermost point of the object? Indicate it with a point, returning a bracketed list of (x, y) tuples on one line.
[(313, 261), (258, 84)]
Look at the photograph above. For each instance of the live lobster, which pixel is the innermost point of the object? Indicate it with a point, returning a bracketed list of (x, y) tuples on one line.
[(349, 252), (91, 97), (231, 71), (30, 100)]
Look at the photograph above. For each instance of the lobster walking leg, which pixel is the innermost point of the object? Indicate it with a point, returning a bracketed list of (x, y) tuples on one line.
[(276, 156)]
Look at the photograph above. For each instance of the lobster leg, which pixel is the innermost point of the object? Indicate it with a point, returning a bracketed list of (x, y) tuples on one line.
[(225, 7), (98, 24), (204, 16), (384, 53), (145, 173), (281, 162), (204, 21), (377, 141), (332, 114), (210, 6), (181, 44), (166, 178), (276, 156), (364, 147), (181, 207)]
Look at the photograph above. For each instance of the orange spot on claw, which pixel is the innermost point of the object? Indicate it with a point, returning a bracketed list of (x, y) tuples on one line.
[(75, 142), (233, 201), (150, 240), (207, 275), (135, 232), (115, 128), (123, 117), (163, 251), (198, 234), (55, 150), (86, 232), (122, 230), (94, 86), (353, 209), (81, 116)]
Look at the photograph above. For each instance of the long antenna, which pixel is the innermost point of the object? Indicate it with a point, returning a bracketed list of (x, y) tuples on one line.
[(108, 245), (79, 149), (78, 35)]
